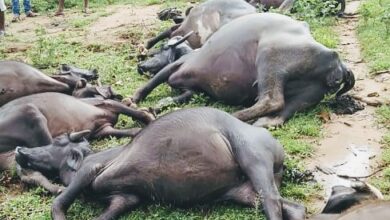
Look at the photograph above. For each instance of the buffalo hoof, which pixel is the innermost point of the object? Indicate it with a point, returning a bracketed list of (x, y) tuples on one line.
[(136, 97), (129, 102), (150, 115), (268, 122), (140, 69), (58, 191)]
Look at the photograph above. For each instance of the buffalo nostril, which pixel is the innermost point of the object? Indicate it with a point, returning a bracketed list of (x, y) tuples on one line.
[(141, 69)]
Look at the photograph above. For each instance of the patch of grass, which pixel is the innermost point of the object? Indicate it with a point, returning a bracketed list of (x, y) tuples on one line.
[(82, 22), (295, 133), (383, 181), (383, 114), (374, 33), (323, 31)]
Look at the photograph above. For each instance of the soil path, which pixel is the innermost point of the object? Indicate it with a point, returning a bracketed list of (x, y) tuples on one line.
[(351, 144), (123, 18), (106, 28)]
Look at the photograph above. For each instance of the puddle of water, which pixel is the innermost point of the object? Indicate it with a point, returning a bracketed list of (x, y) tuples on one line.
[(356, 163)]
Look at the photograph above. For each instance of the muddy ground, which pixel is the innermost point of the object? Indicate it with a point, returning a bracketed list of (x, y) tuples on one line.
[(351, 146)]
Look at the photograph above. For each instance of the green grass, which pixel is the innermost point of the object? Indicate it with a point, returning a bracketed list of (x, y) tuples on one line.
[(117, 66), (374, 33), (383, 181)]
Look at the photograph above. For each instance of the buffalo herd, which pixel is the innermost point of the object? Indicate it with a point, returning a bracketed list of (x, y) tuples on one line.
[(268, 63)]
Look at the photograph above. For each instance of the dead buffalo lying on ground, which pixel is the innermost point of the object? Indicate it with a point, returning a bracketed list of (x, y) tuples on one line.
[(34, 120), (60, 145), (359, 197), (375, 210), (343, 198), (19, 79), (269, 61), (205, 19), (89, 75), (186, 157), (172, 51)]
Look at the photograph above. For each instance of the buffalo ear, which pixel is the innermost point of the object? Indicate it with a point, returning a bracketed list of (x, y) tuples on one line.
[(82, 83), (64, 68), (74, 159), (172, 55)]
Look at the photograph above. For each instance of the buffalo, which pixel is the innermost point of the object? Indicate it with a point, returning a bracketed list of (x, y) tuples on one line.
[(19, 79), (183, 158), (267, 61), (175, 48), (378, 210), (60, 144), (35, 120), (204, 20), (347, 202)]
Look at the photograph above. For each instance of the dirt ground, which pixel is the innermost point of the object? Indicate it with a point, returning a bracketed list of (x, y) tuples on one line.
[(107, 28), (351, 143)]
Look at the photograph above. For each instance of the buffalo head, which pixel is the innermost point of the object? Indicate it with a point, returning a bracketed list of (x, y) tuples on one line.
[(72, 76), (343, 198), (172, 51), (66, 153), (88, 90), (89, 75), (338, 75)]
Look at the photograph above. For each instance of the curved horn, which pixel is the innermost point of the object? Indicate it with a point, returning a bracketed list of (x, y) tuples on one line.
[(376, 191), (349, 82), (183, 39), (188, 10), (76, 136)]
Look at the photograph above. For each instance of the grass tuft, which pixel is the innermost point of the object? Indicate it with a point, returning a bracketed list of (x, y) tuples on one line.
[(374, 33)]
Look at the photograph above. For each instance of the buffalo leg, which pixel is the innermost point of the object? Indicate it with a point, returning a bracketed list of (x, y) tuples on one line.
[(158, 79), (119, 133), (40, 128), (184, 97), (245, 195), (270, 98), (83, 178), (120, 108), (166, 34), (308, 97), (259, 168), (36, 178), (118, 205)]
